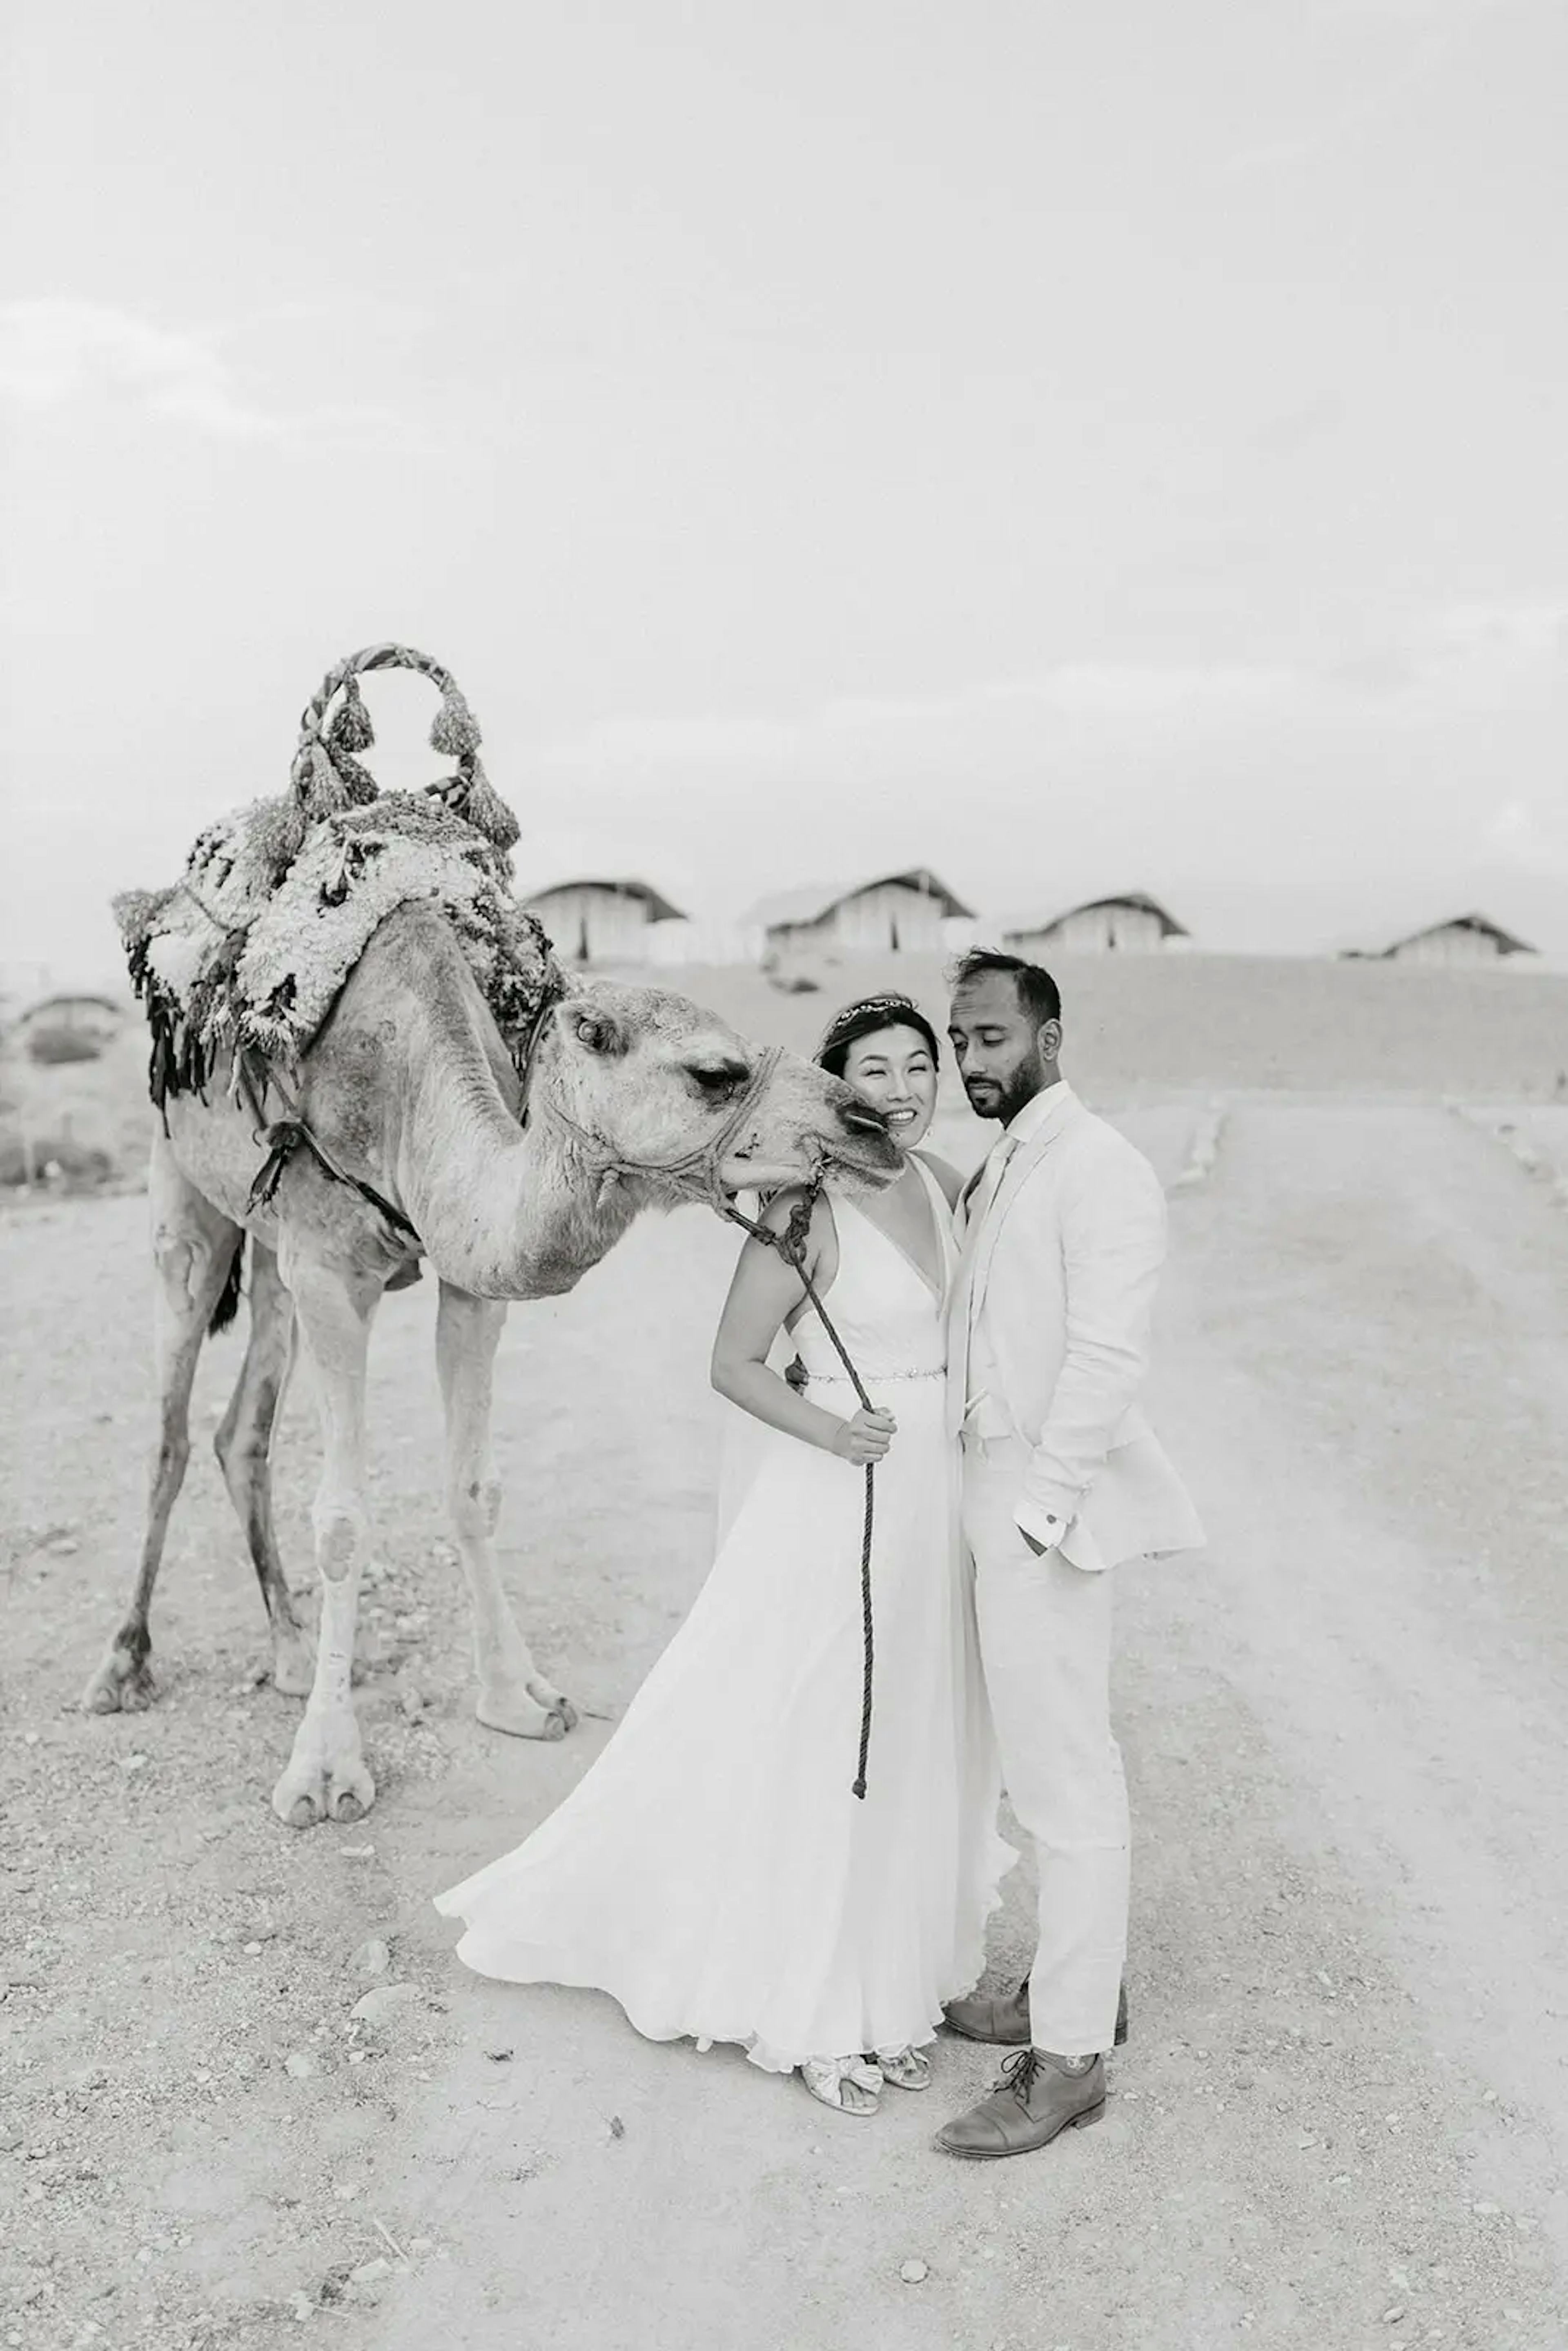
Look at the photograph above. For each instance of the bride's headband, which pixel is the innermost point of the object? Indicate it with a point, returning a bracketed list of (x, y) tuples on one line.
[(865, 1017)]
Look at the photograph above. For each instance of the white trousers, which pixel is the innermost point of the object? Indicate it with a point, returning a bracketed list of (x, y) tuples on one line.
[(1045, 1645)]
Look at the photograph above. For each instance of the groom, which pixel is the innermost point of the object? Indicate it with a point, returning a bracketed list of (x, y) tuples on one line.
[(1049, 1340)]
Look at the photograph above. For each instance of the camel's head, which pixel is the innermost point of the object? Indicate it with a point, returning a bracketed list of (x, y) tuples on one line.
[(655, 1080)]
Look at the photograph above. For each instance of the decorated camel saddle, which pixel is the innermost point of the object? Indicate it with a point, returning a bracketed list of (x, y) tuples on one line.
[(241, 961)]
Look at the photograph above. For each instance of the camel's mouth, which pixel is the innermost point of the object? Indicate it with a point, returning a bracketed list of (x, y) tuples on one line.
[(866, 1166), (855, 1176)]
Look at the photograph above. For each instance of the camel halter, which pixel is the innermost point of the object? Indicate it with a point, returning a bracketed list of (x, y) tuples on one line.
[(702, 1166)]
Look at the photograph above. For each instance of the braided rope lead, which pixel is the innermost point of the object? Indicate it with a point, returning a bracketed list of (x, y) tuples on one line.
[(791, 1245)]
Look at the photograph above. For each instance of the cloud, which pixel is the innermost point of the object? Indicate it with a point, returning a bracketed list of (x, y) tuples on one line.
[(1513, 632), (1300, 426), (1409, 40), (58, 350), (1520, 835), (1083, 689), (700, 740), (1460, 664), (1458, 652)]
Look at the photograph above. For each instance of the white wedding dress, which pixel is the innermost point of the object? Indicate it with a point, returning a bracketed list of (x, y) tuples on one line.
[(713, 1870)]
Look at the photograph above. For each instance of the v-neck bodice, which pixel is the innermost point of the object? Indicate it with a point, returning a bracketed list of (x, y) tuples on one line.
[(882, 1301)]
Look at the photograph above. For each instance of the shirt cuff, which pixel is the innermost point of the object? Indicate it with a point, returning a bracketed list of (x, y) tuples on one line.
[(1043, 1527)]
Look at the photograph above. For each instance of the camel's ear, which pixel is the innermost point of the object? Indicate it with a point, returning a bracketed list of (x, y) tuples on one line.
[(597, 1030)]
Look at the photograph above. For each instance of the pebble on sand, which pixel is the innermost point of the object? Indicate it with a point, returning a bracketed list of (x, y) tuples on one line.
[(372, 1957), (914, 2272), (383, 2002), (300, 2064)]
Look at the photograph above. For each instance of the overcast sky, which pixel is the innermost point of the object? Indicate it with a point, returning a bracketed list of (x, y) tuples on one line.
[(1073, 446)]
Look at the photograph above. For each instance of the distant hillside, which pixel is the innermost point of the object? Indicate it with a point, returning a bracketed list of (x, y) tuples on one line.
[(1142, 1026), (1138, 1027)]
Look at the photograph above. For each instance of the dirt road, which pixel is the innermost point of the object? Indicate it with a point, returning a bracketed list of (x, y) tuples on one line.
[(1344, 2116)]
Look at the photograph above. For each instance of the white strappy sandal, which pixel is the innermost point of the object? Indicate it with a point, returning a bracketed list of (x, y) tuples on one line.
[(906, 2069), (828, 2078)]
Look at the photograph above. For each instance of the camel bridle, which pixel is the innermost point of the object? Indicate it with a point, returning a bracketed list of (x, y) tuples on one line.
[(700, 1165)]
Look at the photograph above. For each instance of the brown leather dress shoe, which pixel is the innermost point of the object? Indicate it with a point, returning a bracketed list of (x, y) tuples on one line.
[(1032, 2103), (1004, 2019), (988, 2016)]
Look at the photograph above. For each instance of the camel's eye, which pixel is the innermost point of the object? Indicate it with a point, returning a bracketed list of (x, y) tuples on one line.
[(600, 1033), (717, 1081)]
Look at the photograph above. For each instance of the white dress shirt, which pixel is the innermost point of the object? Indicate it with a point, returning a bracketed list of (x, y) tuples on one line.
[(982, 1417)]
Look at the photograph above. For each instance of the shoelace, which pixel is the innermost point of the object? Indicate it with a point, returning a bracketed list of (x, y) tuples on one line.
[(1022, 2071), (1019, 2075)]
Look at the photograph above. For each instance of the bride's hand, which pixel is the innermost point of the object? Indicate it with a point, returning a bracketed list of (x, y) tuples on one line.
[(866, 1438)]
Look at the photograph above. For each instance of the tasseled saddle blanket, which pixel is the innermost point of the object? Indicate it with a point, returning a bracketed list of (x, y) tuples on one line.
[(245, 957)]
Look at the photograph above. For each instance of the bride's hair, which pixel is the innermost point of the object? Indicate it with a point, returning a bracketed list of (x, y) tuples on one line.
[(863, 1018)]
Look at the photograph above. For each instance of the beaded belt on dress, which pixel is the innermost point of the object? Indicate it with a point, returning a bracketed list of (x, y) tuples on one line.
[(842, 1380)]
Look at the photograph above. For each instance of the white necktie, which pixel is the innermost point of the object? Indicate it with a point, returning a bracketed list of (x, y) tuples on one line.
[(986, 1180), (989, 1182)]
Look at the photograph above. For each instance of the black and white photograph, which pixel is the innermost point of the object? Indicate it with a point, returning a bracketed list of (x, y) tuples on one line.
[(784, 1177)]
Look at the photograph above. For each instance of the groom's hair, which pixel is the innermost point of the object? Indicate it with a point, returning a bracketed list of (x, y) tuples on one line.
[(1037, 992)]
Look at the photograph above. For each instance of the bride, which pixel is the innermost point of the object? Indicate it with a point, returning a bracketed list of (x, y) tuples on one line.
[(712, 1870)]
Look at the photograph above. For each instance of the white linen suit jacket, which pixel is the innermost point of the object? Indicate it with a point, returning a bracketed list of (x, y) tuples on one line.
[(1057, 1282)]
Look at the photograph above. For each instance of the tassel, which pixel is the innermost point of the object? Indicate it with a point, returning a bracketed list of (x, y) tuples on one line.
[(455, 729), (282, 1139), (481, 805), (351, 730), (358, 782), (321, 791), (137, 912), (277, 837)]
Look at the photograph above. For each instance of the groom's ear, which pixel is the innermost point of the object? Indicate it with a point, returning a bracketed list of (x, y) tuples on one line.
[(1051, 1039)]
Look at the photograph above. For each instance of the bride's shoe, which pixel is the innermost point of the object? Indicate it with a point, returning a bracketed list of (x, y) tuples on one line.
[(906, 2069), (850, 2085)]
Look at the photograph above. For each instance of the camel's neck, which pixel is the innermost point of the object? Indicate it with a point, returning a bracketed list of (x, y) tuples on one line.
[(503, 1211)]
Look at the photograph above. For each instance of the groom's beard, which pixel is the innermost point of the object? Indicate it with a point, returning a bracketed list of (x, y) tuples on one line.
[(998, 1102)]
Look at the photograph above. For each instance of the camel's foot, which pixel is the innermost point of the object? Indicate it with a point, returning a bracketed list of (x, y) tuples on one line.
[(529, 1709), (123, 1683), (325, 1778), (293, 1660)]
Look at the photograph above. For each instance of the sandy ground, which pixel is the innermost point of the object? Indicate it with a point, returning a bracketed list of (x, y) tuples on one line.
[(1342, 2119)]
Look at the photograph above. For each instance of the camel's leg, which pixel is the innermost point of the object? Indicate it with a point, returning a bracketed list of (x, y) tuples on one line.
[(193, 1247), (513, 1694), (244, 1448), (325, 1778)]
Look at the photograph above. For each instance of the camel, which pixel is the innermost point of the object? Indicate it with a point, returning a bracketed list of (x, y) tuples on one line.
[(512, 1187)]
